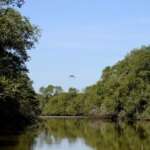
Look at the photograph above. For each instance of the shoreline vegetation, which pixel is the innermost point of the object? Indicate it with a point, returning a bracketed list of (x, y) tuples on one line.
[(102, 118)]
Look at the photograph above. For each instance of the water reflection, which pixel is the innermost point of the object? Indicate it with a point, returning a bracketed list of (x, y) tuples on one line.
[(83, 134), (64, 144)]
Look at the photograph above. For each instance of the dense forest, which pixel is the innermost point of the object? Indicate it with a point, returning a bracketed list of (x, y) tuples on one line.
[(18, 103), (123, 91)]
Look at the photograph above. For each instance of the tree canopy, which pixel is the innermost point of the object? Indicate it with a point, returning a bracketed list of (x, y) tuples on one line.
[(17, 3), (17, 35)]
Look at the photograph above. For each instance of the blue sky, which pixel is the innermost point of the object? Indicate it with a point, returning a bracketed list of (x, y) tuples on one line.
[(82, 37)]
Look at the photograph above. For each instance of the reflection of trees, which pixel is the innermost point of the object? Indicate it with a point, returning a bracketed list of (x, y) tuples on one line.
[(18, 141), (102, 135), (97, 134)]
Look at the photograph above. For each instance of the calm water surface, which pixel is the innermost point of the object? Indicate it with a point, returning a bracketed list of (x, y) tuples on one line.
[(79, 134)]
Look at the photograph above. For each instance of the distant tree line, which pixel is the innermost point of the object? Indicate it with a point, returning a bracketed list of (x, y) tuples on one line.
[(123, 91)]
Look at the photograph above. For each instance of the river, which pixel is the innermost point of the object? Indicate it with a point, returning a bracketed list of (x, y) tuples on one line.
[(79, 134)]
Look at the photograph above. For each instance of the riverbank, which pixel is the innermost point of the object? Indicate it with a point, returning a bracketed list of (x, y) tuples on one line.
[(102, 117), (64, 117)]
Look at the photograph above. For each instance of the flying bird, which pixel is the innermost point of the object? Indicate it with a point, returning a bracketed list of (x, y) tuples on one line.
[(72, 76)]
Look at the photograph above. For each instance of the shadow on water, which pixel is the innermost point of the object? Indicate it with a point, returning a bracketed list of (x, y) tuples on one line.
[(81, 134)]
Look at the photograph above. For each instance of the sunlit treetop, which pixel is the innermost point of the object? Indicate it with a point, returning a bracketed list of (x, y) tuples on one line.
[(17, 3), (17, 34)]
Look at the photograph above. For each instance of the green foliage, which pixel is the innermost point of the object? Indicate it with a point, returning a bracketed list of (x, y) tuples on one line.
[(18, 102), (17, 3), (17, 34), (59, 103), (48, 92), (123, 91), (125, 86)]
